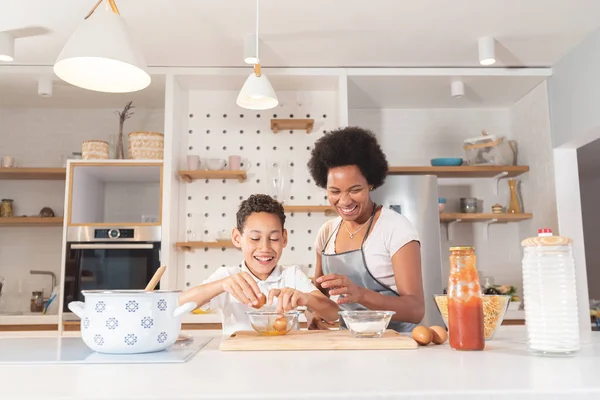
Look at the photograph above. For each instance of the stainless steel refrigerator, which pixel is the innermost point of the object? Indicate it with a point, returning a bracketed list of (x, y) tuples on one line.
[(416, 197)]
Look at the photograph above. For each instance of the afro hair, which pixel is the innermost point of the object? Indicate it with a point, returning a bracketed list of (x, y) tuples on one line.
[(257, 203), (348, 146)]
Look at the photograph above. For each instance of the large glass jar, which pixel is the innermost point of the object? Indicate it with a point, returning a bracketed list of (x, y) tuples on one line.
[(550, 295), (465, 303), (6, 208)]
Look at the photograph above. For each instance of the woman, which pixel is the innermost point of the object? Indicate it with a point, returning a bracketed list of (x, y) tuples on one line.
[(370, 256)]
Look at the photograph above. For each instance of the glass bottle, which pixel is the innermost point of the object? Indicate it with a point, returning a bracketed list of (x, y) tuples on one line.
[(37, 302), (550, 295), (6, 208), (465, 303), (514, 206)]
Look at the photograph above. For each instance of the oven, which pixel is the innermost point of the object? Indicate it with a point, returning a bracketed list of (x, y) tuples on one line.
[(105, 258)]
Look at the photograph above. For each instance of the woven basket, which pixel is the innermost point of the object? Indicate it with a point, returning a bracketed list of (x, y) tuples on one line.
[(94, 150), (146, 146)]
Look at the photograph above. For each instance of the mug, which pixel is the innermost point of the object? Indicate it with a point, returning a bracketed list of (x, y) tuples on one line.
[(8, 162), (235, 164), (193, 162)]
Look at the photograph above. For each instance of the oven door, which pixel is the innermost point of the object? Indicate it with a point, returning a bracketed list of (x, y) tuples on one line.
[(109, 266)]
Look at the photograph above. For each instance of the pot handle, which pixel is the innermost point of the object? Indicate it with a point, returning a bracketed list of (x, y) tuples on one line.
[(184, 308), (78, 308)]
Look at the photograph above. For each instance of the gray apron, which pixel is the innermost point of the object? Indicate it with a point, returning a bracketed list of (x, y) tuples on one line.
[(353, 265)]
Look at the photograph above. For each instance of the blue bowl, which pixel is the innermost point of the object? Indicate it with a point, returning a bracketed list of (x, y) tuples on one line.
[(446, 162)]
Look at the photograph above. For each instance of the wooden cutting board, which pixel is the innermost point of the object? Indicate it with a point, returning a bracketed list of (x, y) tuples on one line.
[(316, 340)]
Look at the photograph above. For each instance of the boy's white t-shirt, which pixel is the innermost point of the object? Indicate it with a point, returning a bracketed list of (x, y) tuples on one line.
[(389, 234), (234, 313)]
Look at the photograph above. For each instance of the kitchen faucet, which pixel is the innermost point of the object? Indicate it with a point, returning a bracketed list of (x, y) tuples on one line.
[(34, 272)]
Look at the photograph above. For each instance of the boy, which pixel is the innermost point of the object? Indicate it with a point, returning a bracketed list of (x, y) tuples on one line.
[(261, 236)]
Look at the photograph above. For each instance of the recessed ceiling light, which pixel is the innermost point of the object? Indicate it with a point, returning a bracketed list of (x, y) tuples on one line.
[(487, 50)]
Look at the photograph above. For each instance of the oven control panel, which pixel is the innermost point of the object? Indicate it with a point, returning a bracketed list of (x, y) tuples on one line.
[(113, 233)]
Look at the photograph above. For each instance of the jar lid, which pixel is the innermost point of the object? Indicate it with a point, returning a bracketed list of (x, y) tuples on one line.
[(546, 241), (7, 200), (459, 248)]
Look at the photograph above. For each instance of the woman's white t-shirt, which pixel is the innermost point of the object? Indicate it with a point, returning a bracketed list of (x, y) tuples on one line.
[(389, 234)]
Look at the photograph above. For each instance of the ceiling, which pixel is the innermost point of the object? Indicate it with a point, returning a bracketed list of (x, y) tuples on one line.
[(311, 33), (318, 32)]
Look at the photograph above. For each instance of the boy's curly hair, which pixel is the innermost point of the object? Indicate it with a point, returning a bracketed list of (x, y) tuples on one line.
[(259, 203), (348, 146)]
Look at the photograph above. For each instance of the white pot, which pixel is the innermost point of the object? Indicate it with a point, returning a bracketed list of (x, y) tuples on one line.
[(130, 321)]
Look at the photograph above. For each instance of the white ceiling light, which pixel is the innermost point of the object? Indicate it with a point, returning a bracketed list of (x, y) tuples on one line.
[(101, 56), (7, 47), (457, 89), (250, 50), (257, 92), (487, 50), (45, 86)]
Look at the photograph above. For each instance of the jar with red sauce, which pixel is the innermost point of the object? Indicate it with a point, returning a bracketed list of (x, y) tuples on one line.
[(465, 302)]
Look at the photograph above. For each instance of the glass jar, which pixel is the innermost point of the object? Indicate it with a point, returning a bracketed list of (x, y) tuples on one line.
[(468, 205), (6, 208), (550, 295), (465, 303), (37, 302)]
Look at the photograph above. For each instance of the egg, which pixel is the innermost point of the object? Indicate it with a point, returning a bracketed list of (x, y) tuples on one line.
[(262, 300), (280, 324), (422, 335), (438, 334)]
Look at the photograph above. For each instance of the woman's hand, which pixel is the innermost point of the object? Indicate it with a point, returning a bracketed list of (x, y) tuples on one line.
[(243, 287), (341, 285), (289, 298)]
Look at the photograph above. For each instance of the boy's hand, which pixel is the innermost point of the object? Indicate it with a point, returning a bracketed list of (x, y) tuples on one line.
[(243, 287), (289, 298)]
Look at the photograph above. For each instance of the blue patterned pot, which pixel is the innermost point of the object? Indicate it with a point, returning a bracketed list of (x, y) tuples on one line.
[(130, 321)]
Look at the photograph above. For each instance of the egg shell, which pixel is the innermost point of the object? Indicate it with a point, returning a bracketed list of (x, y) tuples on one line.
[(422, 335), (262, 300), (438, 334)]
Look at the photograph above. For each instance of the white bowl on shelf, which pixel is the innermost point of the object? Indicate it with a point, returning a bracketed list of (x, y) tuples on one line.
[(215, 164)]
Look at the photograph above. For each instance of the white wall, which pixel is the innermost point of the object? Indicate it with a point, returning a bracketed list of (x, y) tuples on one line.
[(590, 199), (141, 199), (38, 138), (530, 125)]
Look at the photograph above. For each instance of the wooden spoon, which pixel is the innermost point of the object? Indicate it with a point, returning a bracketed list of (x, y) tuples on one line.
[(156, 278)]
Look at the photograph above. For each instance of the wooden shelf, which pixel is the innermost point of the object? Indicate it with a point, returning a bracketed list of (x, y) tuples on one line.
[(504, 217), (328, 210), (292, 124), (188, 246), (484, 171), (54, 174), (192, 175), (31, 221)]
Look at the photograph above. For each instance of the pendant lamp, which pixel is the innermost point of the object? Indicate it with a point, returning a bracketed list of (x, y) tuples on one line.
[(101, 56), (257, 92)]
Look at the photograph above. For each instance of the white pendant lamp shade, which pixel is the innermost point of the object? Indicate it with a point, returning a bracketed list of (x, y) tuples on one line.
[(7, 47), (257, 93), (101, 56)]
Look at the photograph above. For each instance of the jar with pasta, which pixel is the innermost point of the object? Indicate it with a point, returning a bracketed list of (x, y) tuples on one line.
[(465, 303)]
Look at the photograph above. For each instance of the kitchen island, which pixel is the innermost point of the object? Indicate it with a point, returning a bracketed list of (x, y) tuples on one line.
[(504, 369)]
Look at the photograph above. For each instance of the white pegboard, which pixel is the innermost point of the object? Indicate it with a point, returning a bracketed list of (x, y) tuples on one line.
[(218, 128)]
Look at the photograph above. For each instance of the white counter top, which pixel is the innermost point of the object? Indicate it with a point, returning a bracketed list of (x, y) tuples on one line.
[(435, 372)]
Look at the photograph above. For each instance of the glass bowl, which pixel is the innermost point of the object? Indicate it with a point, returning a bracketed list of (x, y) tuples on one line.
[(273, 323), (367, 323), (494, 309)]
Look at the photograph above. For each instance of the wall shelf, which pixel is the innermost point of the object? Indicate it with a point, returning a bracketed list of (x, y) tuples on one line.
[(31, 221), (188, 246), (292, 124), (327, 210), (487, 218), (483, 171), (482, 217), (192, 175), (54, 174)]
